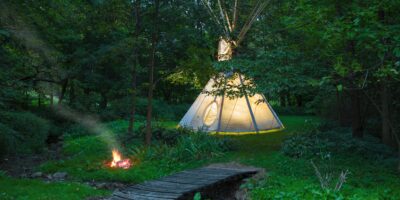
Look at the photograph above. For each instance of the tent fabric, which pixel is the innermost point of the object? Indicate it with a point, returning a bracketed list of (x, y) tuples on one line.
[(223, 114)]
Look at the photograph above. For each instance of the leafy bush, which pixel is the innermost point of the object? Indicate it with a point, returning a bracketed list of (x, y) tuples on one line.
[(290, 110), (162, 134), (30, 132), (339, 140), (8, 140), (161, 109), (3, 174), (188, 146), (75, 131)]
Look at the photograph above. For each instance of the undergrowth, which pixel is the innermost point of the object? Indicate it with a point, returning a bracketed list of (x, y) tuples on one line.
[(86, 157)]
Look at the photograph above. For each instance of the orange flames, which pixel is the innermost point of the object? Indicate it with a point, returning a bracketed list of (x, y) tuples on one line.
[(118, 162)]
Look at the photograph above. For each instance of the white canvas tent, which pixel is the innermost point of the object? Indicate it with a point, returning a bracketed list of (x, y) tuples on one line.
[(219, 113), (223, 114)]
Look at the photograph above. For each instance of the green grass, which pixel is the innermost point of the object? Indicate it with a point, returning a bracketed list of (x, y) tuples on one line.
[(21, 189), (290, 178), (87, 157), (287, 178)]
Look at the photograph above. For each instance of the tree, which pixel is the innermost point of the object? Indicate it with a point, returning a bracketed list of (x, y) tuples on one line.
[(154, 41), (135, 65)]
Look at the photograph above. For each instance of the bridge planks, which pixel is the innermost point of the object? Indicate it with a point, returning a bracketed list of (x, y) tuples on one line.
[(183, 184)]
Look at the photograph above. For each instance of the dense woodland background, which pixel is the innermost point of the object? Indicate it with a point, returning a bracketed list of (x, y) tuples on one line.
[(80, 77), (337, 59)]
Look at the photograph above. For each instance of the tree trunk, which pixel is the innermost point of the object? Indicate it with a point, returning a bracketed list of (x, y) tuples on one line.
[(151, 75), (282, 100), (387, 137), (39, 99), (104, 101), (87, 101), (356, 122), (340, 108), (72, 95), (135, 64), (398, 167), (299, 101), (51, 95), (63, 90), (289, 100)]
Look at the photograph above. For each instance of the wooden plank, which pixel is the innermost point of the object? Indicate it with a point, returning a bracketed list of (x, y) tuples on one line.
[(151, 194), (167, 186), (155, 190), (113, 197), (189, 180), (186, 182), (220, 170), (159, 189), (137, 196), (197, 176), (210, 173), (243, 170)]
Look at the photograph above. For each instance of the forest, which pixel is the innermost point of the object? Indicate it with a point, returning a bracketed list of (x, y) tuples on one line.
[(99, 95)]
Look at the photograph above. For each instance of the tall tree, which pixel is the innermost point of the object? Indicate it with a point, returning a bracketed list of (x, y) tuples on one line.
[(135, 65), (154, 41)]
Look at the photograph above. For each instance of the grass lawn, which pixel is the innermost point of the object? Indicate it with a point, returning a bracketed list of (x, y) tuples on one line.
[(287, 178), (290, 178), (22, 189)]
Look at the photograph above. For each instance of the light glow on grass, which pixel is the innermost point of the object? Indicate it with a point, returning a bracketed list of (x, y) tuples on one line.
[(248, 133)]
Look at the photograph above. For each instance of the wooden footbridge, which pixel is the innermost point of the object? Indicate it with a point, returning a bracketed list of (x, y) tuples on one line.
[(208, 181)]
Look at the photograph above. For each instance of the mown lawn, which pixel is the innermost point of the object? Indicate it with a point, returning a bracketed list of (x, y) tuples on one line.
[(287, 178)]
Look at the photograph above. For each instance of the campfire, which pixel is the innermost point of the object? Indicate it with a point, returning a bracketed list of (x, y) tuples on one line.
[(118, 161)]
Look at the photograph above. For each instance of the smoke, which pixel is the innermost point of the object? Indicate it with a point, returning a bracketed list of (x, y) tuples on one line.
[(90, 123), (24, 32)]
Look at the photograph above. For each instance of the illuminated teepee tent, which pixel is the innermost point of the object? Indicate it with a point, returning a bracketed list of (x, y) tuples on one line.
[(224, 113)]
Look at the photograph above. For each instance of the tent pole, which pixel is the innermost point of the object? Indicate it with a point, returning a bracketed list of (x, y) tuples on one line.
[(273, 112), (248, 105)]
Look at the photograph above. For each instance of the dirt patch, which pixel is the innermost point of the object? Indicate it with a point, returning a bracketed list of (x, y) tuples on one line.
[(23, 166)]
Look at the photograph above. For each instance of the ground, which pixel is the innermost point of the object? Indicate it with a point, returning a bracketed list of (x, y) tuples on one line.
[(287, 178)]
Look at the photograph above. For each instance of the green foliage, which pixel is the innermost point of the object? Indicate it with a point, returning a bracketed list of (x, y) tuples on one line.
[(290, 110), (163, 134), (76, 130), (335, 141), (197, 146), (162, 110), (183, 145), (173, 149), (3, 174), (8, 140), (197, 196), (26, 132)]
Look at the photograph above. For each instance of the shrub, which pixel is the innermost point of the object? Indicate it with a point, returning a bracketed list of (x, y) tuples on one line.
[(161, 109), (8, 140), (32, 131), (199, 145), (3, 174), (188, 146), (162, 134), (290, 110), (339, 141), (75, 131)]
